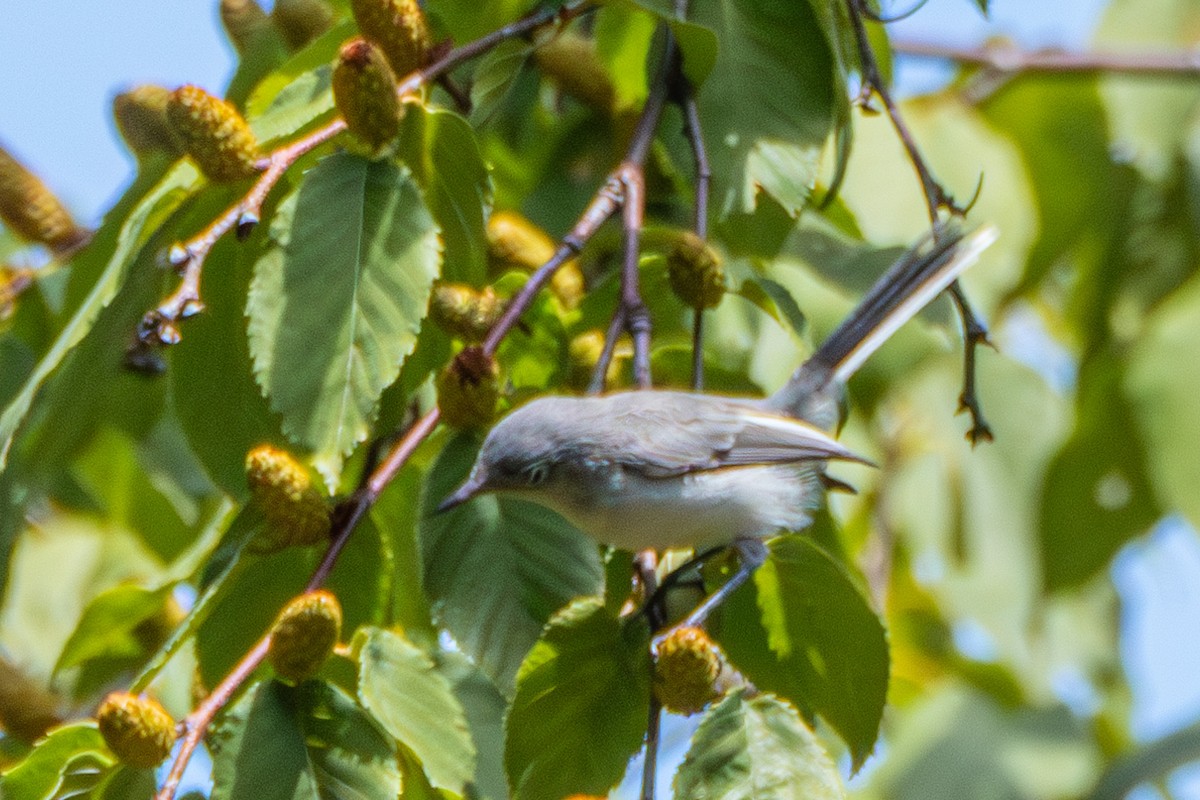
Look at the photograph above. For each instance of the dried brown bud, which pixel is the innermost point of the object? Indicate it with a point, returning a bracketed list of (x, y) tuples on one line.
[(398, 27), (138, 730), (301, 21), (304, 635), (463, 311), (295, 510), (31, 210), (468, 390), (141, 117), (213, 133), (13, 281), (364, 89), (572, 63), (695, 272), (686, 670), (516, 243)]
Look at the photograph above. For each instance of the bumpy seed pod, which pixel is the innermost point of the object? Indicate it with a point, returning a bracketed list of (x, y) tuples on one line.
[(304, 635), (31, 210), (364, 89), (468, 390), (244, 21), (572, 63), (398, 27), (516, 243), (141, 117), (696, 272), (213, 133), (464, 311), (301, 21), (138, 730), (686, 671), (295, 510)]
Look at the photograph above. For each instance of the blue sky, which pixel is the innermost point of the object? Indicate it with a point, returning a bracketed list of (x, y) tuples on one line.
[(63, 63)]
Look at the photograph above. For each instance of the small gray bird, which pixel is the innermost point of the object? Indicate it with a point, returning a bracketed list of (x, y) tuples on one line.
[(661, 469)]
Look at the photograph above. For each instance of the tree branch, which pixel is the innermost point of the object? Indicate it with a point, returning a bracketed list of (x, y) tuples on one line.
[(1008, 58), (936, 199), (160, 326)]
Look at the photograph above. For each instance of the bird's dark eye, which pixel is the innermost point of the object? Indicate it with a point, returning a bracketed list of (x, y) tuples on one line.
[(537, 473)]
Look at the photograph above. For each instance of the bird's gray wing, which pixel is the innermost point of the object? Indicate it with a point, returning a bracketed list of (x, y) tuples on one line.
[(668, 434)]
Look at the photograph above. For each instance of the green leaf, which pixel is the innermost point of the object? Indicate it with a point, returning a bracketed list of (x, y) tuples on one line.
[(770, 102), (756, 748), (160, 203), (497, 568), (38, 775), (211, 369), (400, 687), (440, 148), (697, 44), (309, 742), (1164, 396), (1096, 495), (773, 298), (109, 623), (337, 305), (581, 705), (494, 77), (812, 639)]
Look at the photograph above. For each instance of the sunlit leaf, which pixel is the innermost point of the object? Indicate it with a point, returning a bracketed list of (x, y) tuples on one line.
[(812, 639), (337, 305), (38, 775), (305, 742), (497, 568), (580, 709), (756, 748)]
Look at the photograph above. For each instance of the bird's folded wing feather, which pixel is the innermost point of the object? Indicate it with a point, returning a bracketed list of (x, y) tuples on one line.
[(676, 438)]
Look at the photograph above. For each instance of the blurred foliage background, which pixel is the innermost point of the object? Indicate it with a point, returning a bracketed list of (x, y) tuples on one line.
[(1012, 647)]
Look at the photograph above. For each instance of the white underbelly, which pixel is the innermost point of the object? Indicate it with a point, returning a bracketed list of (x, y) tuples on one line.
[(702, 509)]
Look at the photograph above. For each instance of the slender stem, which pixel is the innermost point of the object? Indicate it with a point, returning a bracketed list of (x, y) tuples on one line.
[(1008, 58), (631, 310), (650, 765), (695, 137), (936, 199)]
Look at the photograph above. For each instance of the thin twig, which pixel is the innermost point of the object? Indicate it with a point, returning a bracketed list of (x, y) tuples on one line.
[(631, 313), (650, 764), (936, 199), (1008, 58), (703, 178), (160, 326)]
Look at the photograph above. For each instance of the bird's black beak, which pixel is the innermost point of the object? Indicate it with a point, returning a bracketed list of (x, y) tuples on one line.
[(462, 494)]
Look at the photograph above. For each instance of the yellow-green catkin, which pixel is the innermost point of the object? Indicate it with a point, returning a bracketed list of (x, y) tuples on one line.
[(304, 634), (213, 133), (463, 311), (695, 272), (138, 730), (295, 510), (141, 117), (399, 28), (29, 209), (364, 90), (245, 23), (468, 390), (686, 670), (301, 21), (516, 243), (572, 63)]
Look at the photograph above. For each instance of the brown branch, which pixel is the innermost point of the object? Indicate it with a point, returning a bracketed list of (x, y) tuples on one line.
[(160, 326), (936, 199), (631, 313), (695, 137), (1008, 58)]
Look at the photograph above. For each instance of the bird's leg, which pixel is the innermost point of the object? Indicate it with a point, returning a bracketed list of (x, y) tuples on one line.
[(752, 553)]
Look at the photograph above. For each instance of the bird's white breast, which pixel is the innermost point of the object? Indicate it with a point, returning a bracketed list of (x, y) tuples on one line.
[(699, 509)]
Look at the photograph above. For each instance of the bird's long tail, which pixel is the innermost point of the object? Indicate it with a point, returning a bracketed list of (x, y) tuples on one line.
[(900, 293)]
